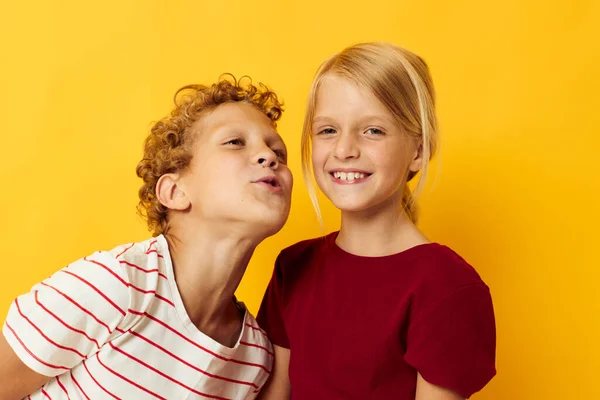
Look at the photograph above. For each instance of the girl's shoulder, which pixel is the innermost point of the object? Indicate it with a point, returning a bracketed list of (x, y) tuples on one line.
[(442, 263), (439, 274), (306, 249)]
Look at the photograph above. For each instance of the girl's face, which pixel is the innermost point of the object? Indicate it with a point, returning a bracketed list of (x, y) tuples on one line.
[(361, 156), (238, 171)]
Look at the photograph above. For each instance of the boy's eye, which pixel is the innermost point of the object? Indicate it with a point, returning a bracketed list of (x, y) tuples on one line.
[(236, 142), (374, 131), (326, 131), (280, 154)]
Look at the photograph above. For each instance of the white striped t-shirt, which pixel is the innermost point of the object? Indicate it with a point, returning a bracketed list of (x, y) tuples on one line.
[(113, 326)]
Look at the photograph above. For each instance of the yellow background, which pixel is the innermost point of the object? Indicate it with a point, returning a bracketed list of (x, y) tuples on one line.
[(516, 193)]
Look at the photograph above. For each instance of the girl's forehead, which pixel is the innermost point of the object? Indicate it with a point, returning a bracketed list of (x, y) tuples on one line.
[(338, 95)]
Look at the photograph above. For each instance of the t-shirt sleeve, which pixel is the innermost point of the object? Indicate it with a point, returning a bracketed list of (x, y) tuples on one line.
[(270, 316), (69, 316), (453, 345)]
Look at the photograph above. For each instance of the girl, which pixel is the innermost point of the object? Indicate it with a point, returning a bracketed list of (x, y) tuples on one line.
[(376, 310), (158, 319)]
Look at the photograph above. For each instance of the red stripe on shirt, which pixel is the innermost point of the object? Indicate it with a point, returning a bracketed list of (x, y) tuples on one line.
[(154, 293), (123, 252), (79, 306), (142, 269), (113, 273), (30, 353), (96, 289), (46, 394), (190, 365), (98, 383), (128, 380), (152, 243), (257, 346), (256, 329), (183, 385), (64, 389), (127, 284), (77, 384), (205, 349), (42, 333), (158, 296), (64, 323), (154, 251), (151, 250)]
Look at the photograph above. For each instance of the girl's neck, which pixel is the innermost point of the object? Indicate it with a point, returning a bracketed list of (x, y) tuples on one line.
[(379, 233)]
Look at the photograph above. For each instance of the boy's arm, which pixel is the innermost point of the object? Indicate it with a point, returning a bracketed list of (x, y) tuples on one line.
[(16, 379), (60, 322)]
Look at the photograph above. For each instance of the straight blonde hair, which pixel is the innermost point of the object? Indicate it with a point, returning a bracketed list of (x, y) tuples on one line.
[(401, 81)]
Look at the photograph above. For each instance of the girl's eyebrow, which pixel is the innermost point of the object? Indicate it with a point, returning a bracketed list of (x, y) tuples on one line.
[(367, 118), (378, 118), (321, 118)]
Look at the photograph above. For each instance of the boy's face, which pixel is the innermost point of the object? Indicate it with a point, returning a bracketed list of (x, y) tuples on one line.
[(238, 170)]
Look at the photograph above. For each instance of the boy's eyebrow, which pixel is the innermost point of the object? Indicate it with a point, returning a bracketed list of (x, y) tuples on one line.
[(276, 137), (271, 136)]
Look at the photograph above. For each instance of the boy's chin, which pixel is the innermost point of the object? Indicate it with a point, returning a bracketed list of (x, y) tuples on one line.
[(273, 221), (268, 225), (261, 221)]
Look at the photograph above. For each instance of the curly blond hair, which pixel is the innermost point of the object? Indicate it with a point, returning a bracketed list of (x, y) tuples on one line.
[(168, 147)]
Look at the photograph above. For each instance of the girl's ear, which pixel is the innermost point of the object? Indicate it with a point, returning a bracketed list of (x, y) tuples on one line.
[(416, 162)]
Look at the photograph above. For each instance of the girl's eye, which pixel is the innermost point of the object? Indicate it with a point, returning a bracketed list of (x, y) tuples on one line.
[(374, 131), (326, 131)]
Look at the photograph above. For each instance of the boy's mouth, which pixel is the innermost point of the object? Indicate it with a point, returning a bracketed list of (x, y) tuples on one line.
[(270, 182)]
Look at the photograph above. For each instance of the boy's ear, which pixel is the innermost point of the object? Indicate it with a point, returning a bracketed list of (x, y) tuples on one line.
[(170, 194)]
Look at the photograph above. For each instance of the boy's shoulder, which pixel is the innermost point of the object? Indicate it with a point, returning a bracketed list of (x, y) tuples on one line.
[(149, 248), (140, 265)]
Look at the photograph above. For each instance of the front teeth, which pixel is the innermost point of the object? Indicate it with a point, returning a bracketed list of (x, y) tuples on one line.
[(350, 176)]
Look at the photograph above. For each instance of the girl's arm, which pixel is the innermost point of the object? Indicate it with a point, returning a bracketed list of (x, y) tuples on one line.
[(16, 379), (428, 391), (278, 385)]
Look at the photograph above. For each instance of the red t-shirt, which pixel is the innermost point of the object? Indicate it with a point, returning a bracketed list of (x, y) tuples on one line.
[(361, 327)]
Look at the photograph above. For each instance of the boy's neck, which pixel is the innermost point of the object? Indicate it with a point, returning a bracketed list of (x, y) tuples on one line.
[(209, 264)]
